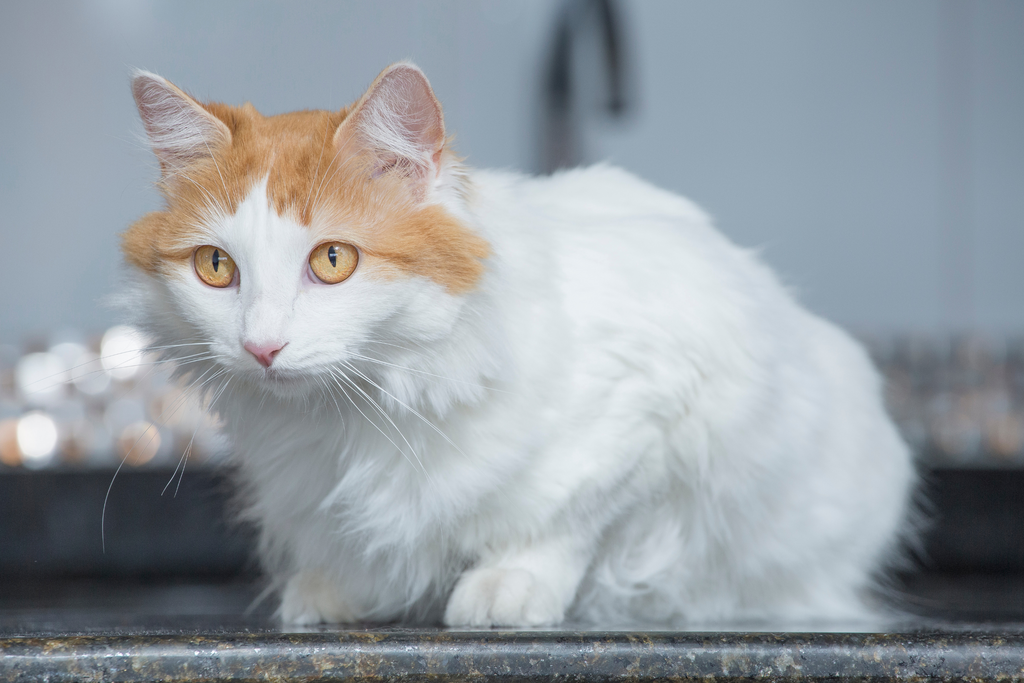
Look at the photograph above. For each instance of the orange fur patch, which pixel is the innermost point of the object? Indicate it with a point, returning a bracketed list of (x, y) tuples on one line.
[(331, 191)]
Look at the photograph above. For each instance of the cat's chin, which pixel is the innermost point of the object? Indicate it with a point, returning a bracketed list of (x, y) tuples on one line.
[(281, 384)]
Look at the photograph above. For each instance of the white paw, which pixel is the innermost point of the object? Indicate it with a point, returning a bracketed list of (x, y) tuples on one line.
[(502, 597), (311, 598)]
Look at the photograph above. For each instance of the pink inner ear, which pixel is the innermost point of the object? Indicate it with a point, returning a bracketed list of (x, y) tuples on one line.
[(416, 105), (400, 120)]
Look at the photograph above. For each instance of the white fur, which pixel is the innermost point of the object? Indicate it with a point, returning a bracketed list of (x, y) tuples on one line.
[(628, 419), (179, 130)]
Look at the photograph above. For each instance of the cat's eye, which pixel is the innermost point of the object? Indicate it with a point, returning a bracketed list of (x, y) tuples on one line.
[(333, 262), (214, 266)]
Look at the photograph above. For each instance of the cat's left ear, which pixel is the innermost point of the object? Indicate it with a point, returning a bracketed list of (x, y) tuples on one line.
[(398, 125)]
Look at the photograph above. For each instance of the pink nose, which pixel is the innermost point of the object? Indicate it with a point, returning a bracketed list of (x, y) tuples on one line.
[(264, 353)]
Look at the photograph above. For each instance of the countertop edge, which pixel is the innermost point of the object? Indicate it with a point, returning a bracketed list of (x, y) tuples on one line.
[(516, 656)]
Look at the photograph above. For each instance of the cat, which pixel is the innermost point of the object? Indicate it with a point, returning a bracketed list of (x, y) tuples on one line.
[(488, 399)]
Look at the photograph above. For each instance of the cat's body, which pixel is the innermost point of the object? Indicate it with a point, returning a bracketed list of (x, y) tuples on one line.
[(620, 416)]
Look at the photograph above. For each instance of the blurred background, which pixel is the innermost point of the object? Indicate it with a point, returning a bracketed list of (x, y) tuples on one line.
[(873, 152)]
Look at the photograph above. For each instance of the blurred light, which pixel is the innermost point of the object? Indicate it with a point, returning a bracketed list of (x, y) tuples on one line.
[(139, 442), (68, 352), (68, 411), (102, 451), (123, 412), (1006, 434), (67, 415), (40, 377), (78, 441), (121, 351), (10, 454), (176, 408), (954, 426), (37, 439), (88, 375)]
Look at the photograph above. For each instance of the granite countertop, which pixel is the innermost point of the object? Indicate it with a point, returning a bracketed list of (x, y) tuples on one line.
[(515, 656), (198, 631)]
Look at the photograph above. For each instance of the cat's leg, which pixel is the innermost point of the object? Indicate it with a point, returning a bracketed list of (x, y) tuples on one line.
[(311, 597), (530, 586)]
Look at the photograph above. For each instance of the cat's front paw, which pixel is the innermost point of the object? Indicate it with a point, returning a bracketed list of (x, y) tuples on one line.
[(502, 597), (311, 598)]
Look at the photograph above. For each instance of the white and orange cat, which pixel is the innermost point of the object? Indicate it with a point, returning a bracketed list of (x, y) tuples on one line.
[(490, 399)]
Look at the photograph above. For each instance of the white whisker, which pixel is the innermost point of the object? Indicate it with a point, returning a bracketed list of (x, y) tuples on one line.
[(185, 461), (106, 498), (354, 405), (424, 373), (404, 405), (181, 400)]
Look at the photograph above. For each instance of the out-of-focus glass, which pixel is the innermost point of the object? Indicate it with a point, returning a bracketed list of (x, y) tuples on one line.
[(98, 402), (37, 439), (88, 374), (121, 351), (41, 378)]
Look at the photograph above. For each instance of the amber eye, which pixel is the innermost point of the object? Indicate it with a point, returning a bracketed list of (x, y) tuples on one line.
[(214, 266), (333, 262)]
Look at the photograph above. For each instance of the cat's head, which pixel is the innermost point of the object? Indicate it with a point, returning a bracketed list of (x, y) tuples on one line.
[(295, 247)]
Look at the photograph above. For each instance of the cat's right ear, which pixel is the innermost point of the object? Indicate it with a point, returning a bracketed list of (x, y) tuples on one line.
[(179, 128)]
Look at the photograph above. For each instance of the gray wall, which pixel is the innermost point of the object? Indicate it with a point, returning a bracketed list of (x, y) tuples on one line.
[(873, 151)]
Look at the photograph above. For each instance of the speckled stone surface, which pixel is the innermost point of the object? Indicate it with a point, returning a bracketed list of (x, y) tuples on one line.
[(200, 631), (515, 656)]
